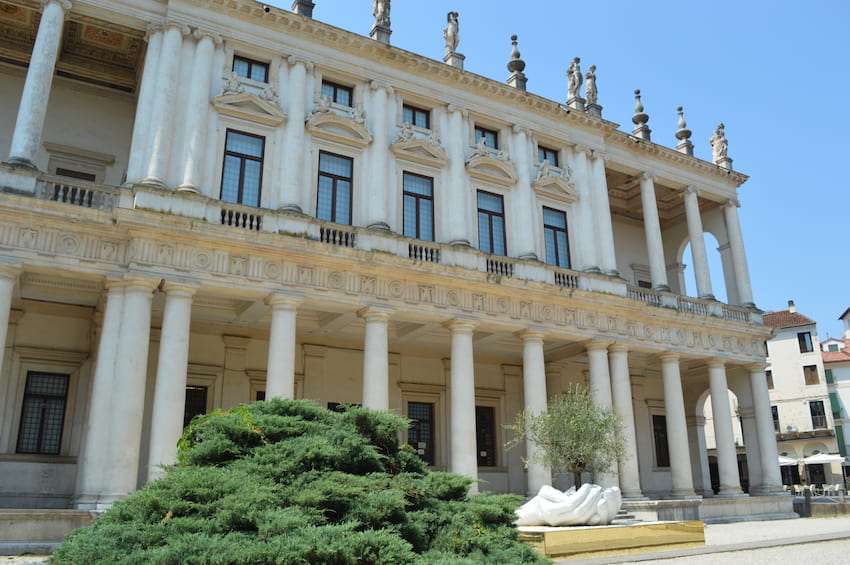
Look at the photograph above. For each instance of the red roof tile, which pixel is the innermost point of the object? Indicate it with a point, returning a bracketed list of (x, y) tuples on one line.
[(837, 356), (786, 319)]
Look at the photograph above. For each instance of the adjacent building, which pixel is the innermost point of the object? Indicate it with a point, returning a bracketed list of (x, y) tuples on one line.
[(836, 362)]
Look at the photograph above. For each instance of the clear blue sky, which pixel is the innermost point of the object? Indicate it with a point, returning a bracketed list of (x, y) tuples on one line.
[(776, 73)]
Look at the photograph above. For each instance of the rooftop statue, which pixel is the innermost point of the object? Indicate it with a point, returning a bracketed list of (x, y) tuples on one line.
[(450, 34), (719, 144), (574, 79), (590, 92), (381, 11), (591, 505)]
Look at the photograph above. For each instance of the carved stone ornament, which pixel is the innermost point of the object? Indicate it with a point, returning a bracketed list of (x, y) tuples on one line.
[(556, 180), (407, 146), (489, 164), (249, 106), (591, 505), (232, 85), (344, 129)]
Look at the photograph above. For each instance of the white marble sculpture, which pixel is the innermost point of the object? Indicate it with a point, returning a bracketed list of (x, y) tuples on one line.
[(591, 94), (451, 34), (381, 11), (719, 145), (591, 505), (574, 79)]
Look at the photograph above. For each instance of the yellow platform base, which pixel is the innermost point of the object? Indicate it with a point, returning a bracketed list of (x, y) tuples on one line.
[(593, 541)]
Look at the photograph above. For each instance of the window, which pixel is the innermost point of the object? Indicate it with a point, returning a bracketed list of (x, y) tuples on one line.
[(835, 404), (43, 413), (251, 69), (242, 175), (485, 435), (338, 93), (491, 223), (491, 138), (196, 403), (828, 375), (261, 395), (833, 348), (555, 233), (659, 433), (774, 411), (804, 339), (71, 173), (335, 174), (769, 376), (810, 372), (418, 206), (421, 435), (644, 284), (839, 436), (546, 154), (416, 116), (818, 414)]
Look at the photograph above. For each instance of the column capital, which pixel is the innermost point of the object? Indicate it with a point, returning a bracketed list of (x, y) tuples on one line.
[(716, 362), (153, 27), (531, 335), (648, 176), (597, 344), (618, 347), (379, 84), (461, 324), (284, 301), (180, 26), (65, 4), (180, 288), (669, 356), (757, 367), (200, 34), (691, 189), (376, 313), (732, 203), (10, 270), (140, 283), (455, 108), (521, 129), (600, 155), (294, 60), (582, 150)]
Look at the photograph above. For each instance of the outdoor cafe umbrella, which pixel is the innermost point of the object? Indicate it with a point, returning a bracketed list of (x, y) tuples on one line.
[(822, 458)]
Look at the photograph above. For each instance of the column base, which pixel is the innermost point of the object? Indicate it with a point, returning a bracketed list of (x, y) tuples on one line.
[(593, 270), (613, 273), (20, 162), (662, 288), (291, 208), (188, 188), (460, 243), (529, 256), (152, 182), (730, 492), (707, 297), (378, 226), (684, 493)]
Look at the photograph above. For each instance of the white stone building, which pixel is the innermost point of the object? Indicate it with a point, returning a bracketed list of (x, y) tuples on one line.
[(836, 363), (205, 202)]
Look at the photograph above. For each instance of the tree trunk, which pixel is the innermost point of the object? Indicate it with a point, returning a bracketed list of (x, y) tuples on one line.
[(577, 478)]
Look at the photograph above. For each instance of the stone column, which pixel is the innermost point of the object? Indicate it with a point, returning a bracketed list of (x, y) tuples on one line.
[(677, 428), (169, 401), (9, 273), (128, 392), (621, 393), (32, 111), (462, 409), (739, 254), (749, 431), (292, 197), (652, 228), (377, 192), (455, 204), (699, 456), (724, 437), (600, 392), (534, 394), (771, 477), (94, 456), (376, 363), (280, 374), (602, 216), (700, 257), (197, 110), (588, 257), (525, 201), (161, 128), (144, 106)]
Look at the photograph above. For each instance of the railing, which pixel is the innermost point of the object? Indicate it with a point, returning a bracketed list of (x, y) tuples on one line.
[(503, 268), (335, 236), (646, 295), (685, 304), (736, 313), (423, 253), (819, 421), (78, 193), (566, 279), (239, 219)]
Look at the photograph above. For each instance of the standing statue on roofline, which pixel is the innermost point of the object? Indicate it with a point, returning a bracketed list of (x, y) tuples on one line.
[(574, 79), (591, 94), (451, 33), (719, 144), (381, 11)]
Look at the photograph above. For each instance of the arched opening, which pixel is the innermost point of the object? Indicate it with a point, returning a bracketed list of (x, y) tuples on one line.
[(719, 268)]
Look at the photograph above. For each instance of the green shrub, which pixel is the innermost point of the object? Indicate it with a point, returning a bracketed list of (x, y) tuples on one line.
[(287, 482)]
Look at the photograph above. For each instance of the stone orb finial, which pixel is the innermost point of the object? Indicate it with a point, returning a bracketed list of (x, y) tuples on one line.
[(640, 116), (515, 65)]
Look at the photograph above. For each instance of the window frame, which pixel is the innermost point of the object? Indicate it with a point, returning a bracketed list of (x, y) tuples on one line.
[(335, 178), (774, 412), (418, 200), (811, 370), (480, 131), (804, 342), (336, 88), (555, 229), (430, 461), (768, 375), (544, 151), (660, 447), (40, 448), (251, 64), (819, 421), (490, 215), (415, 111), (492, 444), (242, 157), (429, 394)]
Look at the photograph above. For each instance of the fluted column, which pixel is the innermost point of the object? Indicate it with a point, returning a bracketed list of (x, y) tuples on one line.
[(600, 393), (94, 456), (621, 393), (162, 127), (197, 110), (602, 216), (455, 204), (280, 374), (727, 459), (377, 191), (169, 400), (376, 361), (588, 256), (677, 427), (292, 197), (739, 254), (136, 165), (534, 394), (771, 477), (462, 409), (652, 229), (526, 208), (698, 252), (32, 111)]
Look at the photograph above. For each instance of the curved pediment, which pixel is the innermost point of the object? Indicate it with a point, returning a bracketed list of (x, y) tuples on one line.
[(249, 106), (558, 187), (492, 169), (329, 125), (420, 151)]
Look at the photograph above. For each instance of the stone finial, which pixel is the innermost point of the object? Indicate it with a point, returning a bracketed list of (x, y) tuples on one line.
[(452, 36), (591, 94), (719, 148), (303, 8), (683, 134), (381, 30), (640, 118), (574, 80), (516, 65)]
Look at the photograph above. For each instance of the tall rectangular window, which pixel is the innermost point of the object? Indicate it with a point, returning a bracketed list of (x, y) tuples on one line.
[(546, 154), (416, 116), (335, 178), (242, 176), (485, 435), (659, 434), (196, 403), (835, 404), (774, 411), (491, 138), (43, 413), (810, 372), (804, 339), (418, 206), (555, 233), (828, 374), (249, 68), (491, 223), (420, 435), (818, 414), (769, 376), (338, 93), (839, 436)]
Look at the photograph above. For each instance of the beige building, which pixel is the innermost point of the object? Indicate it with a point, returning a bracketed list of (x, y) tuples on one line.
[(206, 202)]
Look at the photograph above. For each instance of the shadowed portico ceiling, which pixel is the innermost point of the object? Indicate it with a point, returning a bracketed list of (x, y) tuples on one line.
[(93, 51)]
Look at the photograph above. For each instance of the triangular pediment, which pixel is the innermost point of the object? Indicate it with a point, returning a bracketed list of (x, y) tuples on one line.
[(558, 187), (420, 151), (343, 129), (250, 106), (492, 169)]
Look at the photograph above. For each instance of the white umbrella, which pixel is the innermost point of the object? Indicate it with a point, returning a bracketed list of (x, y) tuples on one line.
[(787, 461), (822, 458)]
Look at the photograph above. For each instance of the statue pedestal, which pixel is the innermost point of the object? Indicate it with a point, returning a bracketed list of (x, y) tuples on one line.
[(724, 162), (454, 59), (381, 33), (576, 102), (594, 110)]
